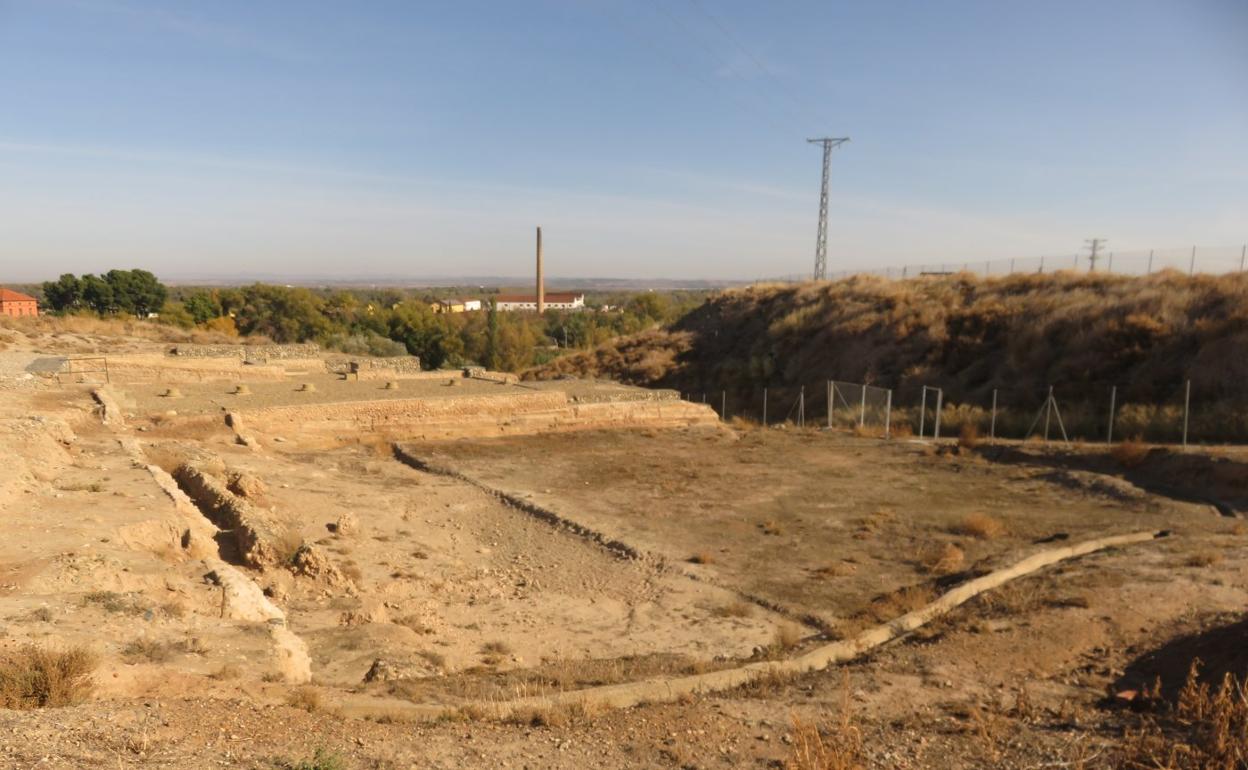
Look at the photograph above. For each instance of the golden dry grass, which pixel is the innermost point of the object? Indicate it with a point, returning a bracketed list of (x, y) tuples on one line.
[(980, 526), (942, 559), (40, 677), (1130, 453), (1207, 729)]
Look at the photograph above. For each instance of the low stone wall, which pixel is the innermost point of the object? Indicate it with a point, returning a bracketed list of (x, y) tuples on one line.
[(253, 533), (248, 352)]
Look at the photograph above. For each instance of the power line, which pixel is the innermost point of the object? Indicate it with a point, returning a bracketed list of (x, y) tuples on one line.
[(821, 239), (802, 105)]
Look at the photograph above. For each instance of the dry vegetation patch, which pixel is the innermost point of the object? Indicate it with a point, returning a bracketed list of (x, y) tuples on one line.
[(980, 526), (39, 677)]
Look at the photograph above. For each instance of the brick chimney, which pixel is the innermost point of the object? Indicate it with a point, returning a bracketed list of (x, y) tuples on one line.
[(541, 284)]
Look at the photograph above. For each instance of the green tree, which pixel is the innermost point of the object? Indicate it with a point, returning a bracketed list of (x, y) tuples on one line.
[(97, 294), (202, 307), (63, 294), (490, 359)]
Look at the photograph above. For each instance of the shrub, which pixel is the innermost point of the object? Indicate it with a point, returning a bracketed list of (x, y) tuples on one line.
[(702, 557), (968, 437), (942, 559), (1204, 729), (36, 677), (1130, 453), (979, 525)]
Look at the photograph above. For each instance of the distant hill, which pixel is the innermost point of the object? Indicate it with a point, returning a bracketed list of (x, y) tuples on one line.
[(1019, 334)]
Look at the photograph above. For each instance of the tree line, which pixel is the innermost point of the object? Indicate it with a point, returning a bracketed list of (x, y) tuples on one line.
[(384, 322)]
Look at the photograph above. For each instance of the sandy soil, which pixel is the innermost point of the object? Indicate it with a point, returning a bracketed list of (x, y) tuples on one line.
[(465, 600)]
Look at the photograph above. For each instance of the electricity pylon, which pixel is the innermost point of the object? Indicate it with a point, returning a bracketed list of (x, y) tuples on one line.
[(821, 241)]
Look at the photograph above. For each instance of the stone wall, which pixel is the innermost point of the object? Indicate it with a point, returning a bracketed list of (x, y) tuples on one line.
[(248, 352)]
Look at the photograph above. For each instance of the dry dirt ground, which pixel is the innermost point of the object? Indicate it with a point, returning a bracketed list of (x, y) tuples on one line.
[(728, 545)]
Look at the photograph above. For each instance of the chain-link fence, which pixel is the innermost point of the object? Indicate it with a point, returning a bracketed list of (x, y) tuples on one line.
[(1190, 260), (1183, 414)]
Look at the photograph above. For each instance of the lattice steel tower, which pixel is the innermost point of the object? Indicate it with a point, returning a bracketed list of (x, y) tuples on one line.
[(821, 241)]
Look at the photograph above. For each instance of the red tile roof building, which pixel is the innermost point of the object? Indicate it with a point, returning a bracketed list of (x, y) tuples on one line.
[(13, 303)]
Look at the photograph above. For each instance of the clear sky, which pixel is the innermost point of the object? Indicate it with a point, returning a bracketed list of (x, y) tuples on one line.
[(649, 138)]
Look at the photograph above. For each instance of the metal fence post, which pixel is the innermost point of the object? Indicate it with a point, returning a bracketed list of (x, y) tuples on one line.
[(1110, 267), (862, 415), (1048, 412), (723, 406), (923, 412), (764, 407), (1187, 408), (888, 414), (1150, 261), (831, 402), (1041, 270), (940, 401), (1242, 254), (1113, 397), (801, 408), (1191, 268), (992, 429)]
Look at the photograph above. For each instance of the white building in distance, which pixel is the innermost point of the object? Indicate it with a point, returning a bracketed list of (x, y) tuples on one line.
[(554, 300)]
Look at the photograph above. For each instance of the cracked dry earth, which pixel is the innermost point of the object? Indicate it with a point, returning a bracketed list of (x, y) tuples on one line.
[(464, 600)]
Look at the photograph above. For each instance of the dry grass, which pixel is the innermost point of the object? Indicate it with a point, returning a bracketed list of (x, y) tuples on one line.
[(37, 677), (836, 745), (148, 651), (1203, 559), (968, 437), (1206, 729), (942, 559), (734, 609), (1131, 453), (980, 526), (307, 698)]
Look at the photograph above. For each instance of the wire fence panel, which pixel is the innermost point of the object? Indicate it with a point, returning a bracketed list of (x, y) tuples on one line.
[(1188, 259), (862, 408)]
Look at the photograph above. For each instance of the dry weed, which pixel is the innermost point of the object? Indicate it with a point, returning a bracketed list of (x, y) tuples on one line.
[(979, 525), (968, 437), (702, 557), (837, 745), (942, 559), (1203, 559), (37, 677), (1130, 453), (1205, 729), (734, 609), (307, 698)]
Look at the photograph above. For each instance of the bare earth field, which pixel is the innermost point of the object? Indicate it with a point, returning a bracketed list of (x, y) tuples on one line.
[(251, 594)]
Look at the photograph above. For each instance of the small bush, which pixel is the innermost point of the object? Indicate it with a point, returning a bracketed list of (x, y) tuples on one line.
[(147, 650), (1130, 453), (980, 526), (1204, 729), (702, 557), (942, 559), (1203, 559), (35, 677), (837, 746), (307, 698), (968, 437)]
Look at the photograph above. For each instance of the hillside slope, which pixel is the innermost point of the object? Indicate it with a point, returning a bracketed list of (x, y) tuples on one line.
[(1018, 334)]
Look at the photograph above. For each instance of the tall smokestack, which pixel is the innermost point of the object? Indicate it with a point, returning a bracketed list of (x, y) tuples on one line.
[(541, 284)]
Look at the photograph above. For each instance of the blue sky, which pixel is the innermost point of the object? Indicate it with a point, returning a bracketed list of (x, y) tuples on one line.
[(650, 138)]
